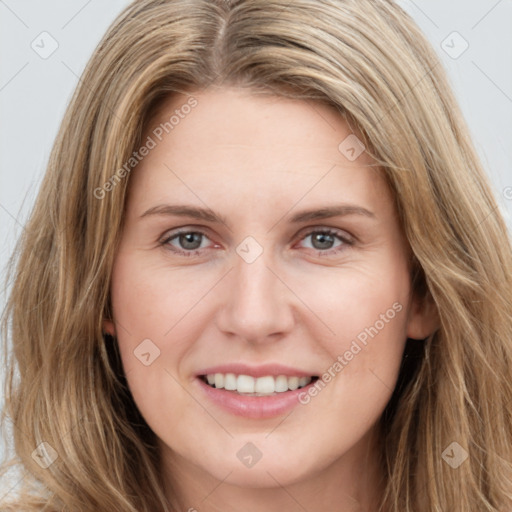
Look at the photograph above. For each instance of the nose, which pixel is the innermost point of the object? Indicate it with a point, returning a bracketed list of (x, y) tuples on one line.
[(258, 306)]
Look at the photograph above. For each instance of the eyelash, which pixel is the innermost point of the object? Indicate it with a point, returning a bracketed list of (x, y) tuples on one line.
[(346, 241)]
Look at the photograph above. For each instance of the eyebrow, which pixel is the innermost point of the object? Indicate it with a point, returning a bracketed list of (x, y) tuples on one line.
[(209, 215), (331, 211), (185, 211)]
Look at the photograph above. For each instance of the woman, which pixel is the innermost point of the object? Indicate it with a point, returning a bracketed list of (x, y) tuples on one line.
[(265, 271)]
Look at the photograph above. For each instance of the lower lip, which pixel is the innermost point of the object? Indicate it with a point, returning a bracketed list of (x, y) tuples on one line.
[(255, 407)]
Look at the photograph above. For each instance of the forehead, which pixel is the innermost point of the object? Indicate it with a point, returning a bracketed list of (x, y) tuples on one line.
[(269, 147), (231, 117)]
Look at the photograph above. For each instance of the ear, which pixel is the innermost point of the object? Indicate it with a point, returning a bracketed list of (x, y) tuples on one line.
[(423, 318), (108, 327)]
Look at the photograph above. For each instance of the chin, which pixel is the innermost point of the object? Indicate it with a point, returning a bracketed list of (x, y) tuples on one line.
[(267, 474)]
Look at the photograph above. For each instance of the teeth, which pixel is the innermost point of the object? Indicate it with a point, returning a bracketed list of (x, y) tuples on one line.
[(293, 382), (265, 385), (230, 382), (282, 383), (245, 384), (261, 386), (219, 380)]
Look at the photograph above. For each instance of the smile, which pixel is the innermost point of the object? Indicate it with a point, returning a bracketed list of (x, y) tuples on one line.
[(267, 385)]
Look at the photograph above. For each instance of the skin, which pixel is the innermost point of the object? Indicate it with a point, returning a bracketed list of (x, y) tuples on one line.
[(257, 161)]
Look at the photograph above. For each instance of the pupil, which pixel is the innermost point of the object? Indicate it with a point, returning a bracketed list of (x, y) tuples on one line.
[(187, 240), (324, 239)]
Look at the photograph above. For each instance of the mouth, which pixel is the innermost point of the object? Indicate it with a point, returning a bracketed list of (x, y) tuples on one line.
[(254, 391), (247, 385)]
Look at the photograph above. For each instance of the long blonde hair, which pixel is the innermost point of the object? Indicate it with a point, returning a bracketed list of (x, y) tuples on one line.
[(367, 59)]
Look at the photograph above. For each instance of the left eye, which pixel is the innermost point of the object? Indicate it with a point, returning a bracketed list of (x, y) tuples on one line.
[(322, 240)]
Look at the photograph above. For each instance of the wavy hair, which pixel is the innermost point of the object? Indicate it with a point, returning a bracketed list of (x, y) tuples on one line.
[(367, 59)]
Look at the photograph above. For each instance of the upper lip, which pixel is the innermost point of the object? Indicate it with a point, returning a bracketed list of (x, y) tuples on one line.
[(256, 371)]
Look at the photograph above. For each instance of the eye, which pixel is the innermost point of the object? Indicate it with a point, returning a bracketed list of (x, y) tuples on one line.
[(190, 243), (327, 240), (185, 242)]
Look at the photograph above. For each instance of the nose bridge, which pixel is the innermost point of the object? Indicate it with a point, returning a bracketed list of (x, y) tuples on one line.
[(253, 280), (257, 304)]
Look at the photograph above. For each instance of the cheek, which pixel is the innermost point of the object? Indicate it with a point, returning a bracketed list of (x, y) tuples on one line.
[(154, 310), (365, 309), (151, 303), (149, 298)]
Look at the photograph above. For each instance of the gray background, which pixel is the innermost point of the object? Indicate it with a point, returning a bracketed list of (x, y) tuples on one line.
[(35, 88)]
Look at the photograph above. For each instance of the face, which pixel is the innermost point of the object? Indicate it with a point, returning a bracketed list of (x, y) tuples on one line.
[(260, 253)]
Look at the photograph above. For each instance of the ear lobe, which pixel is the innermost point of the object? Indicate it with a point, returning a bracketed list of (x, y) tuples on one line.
[(108, 327), (423, 318)]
